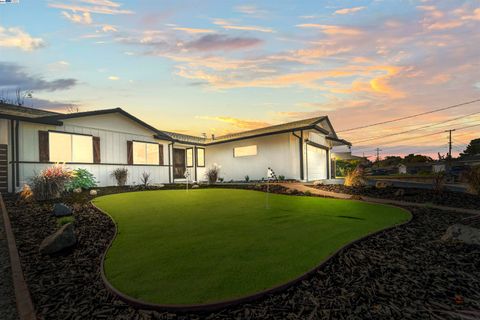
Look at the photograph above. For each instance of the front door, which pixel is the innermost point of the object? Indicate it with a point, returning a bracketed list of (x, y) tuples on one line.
[(179, 163)]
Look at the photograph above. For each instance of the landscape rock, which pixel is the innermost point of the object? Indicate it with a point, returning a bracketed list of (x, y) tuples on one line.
[(77, 190), (195, 186), (399, 193), (462, 233), (317, 183), (61, 210), (93, 192), (63, 238), (383, 184)]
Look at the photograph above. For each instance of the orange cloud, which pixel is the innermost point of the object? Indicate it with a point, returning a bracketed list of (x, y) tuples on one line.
[(331, 30), (193, 30), (17, 38), (349, 10), (445, 25), (225, 24), (84, 18), (240, 123)]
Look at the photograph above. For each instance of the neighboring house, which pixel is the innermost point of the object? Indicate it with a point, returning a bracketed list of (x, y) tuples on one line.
[(402, 169), (103, 140)]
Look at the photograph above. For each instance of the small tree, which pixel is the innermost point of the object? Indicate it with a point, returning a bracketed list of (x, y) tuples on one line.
[(472, 149)]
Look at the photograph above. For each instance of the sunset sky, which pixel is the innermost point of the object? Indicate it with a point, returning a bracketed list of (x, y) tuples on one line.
[(224, 66)]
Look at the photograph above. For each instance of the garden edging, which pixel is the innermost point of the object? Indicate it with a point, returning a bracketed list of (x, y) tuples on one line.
[(225, 303), (25, 308)]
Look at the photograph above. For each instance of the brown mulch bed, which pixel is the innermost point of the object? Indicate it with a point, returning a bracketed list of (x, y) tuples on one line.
[(404, 273), (444, 198)]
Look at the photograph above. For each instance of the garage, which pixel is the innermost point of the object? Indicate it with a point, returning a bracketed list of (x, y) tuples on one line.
[(317, 165)]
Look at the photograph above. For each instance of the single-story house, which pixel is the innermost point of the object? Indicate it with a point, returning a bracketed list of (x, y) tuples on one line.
[(101, 141)]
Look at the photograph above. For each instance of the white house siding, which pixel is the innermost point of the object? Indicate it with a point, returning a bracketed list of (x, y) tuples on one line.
[(279, 151), (3, 131), (114, 131)]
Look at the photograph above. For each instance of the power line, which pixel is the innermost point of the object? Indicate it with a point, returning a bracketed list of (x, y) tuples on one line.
[(422, 136), (411, 116), (416, 129)]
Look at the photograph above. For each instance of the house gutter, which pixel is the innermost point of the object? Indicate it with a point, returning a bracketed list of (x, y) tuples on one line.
[(17, 156), (170, 163), (300, 145), (12, 162)]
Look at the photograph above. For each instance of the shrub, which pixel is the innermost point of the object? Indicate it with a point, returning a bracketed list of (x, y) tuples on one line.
[(50, 183), (355, 178), (281, 178), (307, 193), (145, 179), (120, 174), (212, 173), (247, 178), (82, 179), (220, 179), (439, 180), (472, 178)]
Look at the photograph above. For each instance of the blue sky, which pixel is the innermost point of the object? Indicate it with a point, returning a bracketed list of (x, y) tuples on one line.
[(223, 66)]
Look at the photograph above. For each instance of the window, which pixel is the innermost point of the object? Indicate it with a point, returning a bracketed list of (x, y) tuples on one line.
[(145, 153), (66, 147), (189, 157), (245, 151), (200, 157)]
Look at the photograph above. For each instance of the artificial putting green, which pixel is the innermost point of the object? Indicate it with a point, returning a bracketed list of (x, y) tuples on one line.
[(208, 245)]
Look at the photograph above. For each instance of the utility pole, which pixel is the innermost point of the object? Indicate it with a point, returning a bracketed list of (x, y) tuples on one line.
[(449, 156)]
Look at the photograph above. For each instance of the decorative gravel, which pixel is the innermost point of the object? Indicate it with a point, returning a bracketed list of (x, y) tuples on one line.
[(445, 198), (404, 273)]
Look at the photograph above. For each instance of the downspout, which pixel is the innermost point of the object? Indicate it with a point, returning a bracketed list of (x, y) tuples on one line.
[(300, 146), (17, 157), (195, 161), (169, 163), (12, 142)]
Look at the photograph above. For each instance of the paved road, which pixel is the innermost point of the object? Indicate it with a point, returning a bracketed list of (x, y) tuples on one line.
[(8, 309)]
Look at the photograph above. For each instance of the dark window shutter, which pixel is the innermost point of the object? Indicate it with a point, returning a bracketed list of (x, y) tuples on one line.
[(44, 149), (130, 152), (96, 150), (160, 154)]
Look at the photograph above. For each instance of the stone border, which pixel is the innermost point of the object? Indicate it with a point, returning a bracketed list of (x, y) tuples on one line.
[(208, 307), (25, 308)]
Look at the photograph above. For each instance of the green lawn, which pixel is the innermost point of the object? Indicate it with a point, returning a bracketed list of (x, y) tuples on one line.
[(207, 245)]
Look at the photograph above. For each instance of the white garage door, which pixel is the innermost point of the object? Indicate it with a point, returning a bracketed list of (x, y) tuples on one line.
[(316, 163)]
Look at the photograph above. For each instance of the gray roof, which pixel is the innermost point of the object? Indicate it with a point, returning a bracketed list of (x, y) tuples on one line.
[(21, 111), (311, 123), (321, 124)]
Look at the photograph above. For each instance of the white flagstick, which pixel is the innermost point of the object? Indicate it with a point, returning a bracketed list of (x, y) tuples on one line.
[(186, 175)]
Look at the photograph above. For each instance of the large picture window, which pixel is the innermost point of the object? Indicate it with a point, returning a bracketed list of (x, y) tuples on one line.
[(67, 147), (245, 151), (145, 153), (200, 157)]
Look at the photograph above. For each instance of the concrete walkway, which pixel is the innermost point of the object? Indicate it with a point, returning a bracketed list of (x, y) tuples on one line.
[(303, 188)]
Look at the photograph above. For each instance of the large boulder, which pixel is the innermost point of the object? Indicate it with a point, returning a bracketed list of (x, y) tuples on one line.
[(62, 239), (61, 210), (462, 233)]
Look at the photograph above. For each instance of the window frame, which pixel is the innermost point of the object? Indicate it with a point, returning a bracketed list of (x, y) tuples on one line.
[(71, 134), (249, 155), (186, 158), (196, 157), (145, 142)]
